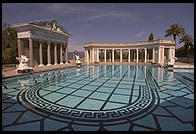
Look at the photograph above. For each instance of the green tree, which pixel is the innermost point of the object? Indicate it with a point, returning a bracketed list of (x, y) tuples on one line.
[(175, 30), (188, 42), (9, 45), (150, 37)]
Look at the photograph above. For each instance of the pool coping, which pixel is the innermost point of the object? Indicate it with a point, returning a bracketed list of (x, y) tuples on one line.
[(38, 71)]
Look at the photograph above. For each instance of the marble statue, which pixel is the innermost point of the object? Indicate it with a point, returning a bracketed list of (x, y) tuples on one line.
[(22, 67), (171, 60), (77, 60)]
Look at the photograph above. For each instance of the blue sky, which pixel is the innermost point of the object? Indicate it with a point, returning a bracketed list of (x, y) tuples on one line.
[(105, 22)]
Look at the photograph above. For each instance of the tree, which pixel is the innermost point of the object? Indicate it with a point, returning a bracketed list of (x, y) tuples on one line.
[(150, 37), (175, 30), (9, 45), (188, 41)]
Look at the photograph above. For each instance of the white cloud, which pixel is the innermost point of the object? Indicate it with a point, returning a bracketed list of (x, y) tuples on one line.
[(87, 14), (124, 16), (140, 34), (57, 8)]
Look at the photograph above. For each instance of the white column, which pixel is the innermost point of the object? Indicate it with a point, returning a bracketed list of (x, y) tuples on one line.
[(145, 55), (90, 55), (129, 55), (104, 55), (40, 54), (153, 55), (112, 55), (163, 56), (61, 54), (87, 56), (137, 55), (31, 52), (159, 54), (97, 55), (93, 55), (66, 54), (48, 54), (55, 53), (120, 55)]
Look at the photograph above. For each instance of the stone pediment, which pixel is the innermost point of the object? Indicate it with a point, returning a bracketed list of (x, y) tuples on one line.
[(50, 25)]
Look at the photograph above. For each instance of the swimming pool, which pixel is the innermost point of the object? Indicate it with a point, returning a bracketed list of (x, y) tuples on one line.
[(102, 97)]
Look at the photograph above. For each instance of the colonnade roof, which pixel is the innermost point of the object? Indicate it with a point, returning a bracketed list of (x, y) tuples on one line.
[(49, 24), (125, 44)]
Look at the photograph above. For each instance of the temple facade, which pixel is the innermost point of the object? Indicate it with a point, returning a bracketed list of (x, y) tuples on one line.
[(156, 51), (44, 42)]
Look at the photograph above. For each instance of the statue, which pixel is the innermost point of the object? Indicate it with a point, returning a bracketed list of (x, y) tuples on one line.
[(54, 27), (78, 60), (22, 67), (171, 61)]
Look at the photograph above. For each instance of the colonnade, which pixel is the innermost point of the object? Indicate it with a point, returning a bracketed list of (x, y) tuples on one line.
[(31, 55), (160, 51), (91, 53)]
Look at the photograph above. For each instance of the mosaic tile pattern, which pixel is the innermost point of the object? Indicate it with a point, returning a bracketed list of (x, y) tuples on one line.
[(100, 98)]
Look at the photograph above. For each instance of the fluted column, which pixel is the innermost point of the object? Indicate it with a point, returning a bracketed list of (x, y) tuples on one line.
[(40, 54), (97, 55), (48, 54), (104, 55), (112, 55), (129, 55), (66, 54), (153, 55), (93, 55), (87, 56), (163, 56), (145, 54), (31, 52), (137, 55), (55, 53), (61, 54), (120, 55)]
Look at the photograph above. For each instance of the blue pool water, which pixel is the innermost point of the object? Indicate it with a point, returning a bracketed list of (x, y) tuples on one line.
[(104, 97)]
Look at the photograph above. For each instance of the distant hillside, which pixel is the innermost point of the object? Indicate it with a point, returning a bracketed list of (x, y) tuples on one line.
[(70, 55)]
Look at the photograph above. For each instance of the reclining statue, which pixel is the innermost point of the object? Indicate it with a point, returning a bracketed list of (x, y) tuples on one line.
[(22, 67)]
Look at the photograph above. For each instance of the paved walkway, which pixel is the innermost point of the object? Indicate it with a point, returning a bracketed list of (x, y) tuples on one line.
[(12, 72), (183, 65)]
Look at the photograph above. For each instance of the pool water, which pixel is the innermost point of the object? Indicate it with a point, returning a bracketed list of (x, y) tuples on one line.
[(102, 97)]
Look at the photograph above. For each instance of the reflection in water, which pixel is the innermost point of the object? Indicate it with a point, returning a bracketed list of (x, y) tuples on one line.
[(136, 70), (23, 82), (170, 76), (132, 70), (77, 71)]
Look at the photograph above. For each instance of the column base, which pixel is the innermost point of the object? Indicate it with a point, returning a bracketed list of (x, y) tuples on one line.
[(41, 65), (61, 63), (55, 63), (49, 65)]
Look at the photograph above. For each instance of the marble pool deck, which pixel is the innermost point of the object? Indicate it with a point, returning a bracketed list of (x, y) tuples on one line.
[(12, 71)]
